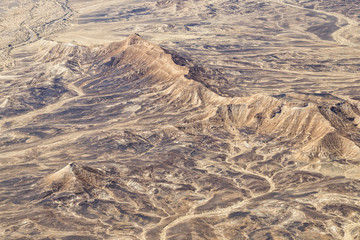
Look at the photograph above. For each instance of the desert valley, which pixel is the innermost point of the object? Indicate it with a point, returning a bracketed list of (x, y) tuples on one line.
[(179, 119)]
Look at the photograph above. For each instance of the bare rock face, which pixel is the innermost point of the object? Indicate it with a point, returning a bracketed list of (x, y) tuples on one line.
[(158, 155), (129, 140), (74, 178)]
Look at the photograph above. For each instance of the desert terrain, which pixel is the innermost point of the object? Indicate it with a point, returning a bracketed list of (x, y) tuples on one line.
[(179, 119)]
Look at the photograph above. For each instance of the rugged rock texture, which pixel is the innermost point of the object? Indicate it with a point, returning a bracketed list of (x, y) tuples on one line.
[(158, 155), (273, 47), (129, 140)]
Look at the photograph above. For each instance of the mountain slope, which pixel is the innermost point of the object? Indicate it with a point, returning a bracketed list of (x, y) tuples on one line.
[(148, 151)]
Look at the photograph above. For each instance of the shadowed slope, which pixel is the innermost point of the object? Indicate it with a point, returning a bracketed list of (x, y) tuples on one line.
[(309, 125), (158, 155)]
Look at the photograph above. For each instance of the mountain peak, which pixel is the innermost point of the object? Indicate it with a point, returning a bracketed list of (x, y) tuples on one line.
[(134, 38), (73, 177)]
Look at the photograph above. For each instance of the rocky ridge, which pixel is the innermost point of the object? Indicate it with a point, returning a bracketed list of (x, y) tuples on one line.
[(156, 154)]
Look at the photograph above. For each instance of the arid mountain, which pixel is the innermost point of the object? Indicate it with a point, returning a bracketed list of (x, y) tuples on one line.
[(132, 140)]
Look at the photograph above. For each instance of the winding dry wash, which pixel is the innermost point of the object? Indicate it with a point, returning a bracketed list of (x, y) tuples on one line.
[(179, 119)]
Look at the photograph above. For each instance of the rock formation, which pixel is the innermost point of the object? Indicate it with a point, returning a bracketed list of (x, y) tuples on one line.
[(130, 140)]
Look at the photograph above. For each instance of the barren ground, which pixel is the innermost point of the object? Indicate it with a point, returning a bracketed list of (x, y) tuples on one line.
[(223, 120)]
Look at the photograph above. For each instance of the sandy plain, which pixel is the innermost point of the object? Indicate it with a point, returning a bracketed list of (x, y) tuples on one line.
[(222, 120)]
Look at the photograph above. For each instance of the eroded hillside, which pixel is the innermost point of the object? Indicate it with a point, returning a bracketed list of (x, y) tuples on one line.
[(147, 152), (223, 120)]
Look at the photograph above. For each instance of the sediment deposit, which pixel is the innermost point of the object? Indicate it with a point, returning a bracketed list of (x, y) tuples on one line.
[(144, 137)]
